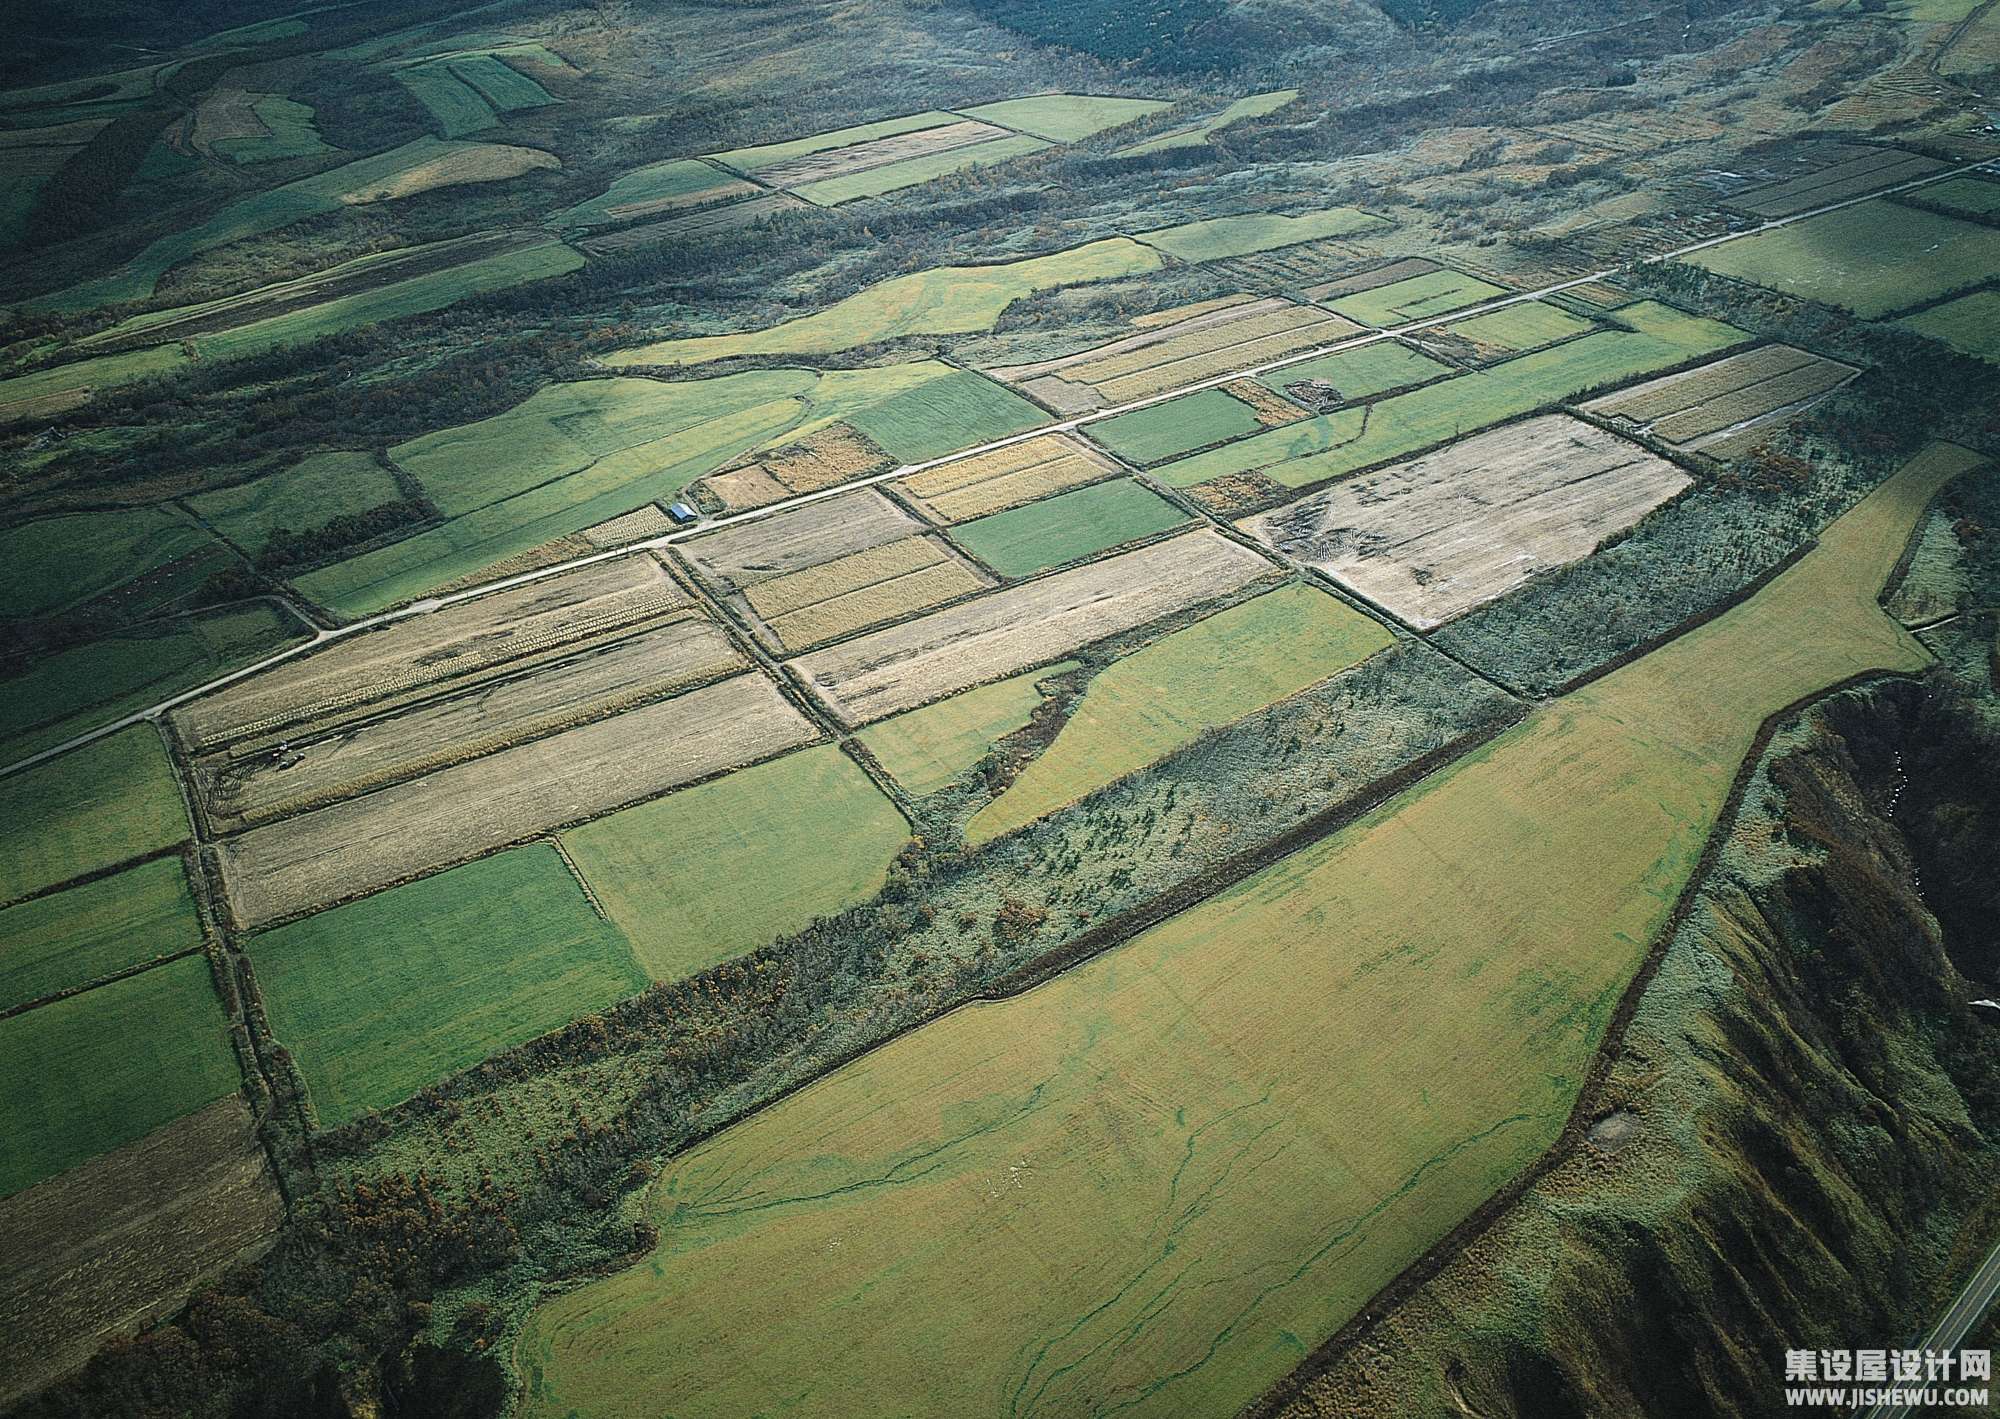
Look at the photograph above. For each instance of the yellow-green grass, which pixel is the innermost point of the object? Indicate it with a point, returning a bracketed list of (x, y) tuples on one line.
[(107, 802), (1195, 135), (1064, 118), (943, 300), (1171, 428), (1526, 325), (725, 867), (1417, 298), (97, 1070), (1647, 337), (387, 995), (1159, 1179), (766, 155), (1161, 698), (1069, 526), (1969, 324), (1363, 372), (309, 494), (1220, 237), (926, 749), (71, 938), (59, 696), (934, 415), (893, 177), (676, 183), (288, 133), (1972, 196), (56, 562), (1870, 259)]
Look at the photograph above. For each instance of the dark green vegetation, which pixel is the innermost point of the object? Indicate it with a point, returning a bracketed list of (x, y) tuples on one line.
[(106, 803), (71, 938)]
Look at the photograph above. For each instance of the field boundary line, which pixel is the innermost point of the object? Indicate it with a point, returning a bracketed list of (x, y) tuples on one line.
[(84, 988)]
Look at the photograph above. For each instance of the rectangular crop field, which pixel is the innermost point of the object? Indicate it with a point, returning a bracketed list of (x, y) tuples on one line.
[(1164, 696), (926, 749), (809, 168), (894, 177), (1221, 237), (1859, 170), (93, 1071), (359, 846), (71, 938), (1361, 373), (1064, 118), (766, 155), (1193, 136), (904, 666), (656, 188), (989, 482), (1525, 325), (112, 800), (1690, 409), (1176, 427), (1416, 298), (1066, 527), (1386, 274), (725, 867), (1969, 324), (1438, 535), (732, 558), (1971, 196), (382, 997), (806, 608), (1870, 259)]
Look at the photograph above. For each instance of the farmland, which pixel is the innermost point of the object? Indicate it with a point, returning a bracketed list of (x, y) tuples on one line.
[(805, 608), (1961, 196), (470, 93), (1416, 298), (992, 636), (94, 807), (1064, 118), (71, 938), (1066, 527), (657, 188), (1435, 536), (990, 482), (1968, 323), (1178, 426), (893, 177), (1138, 1117), (809, 829), (1526, 325), (1220, 237), (383, 996), (1194, 135), (55, 563), (1360, 373), (1690, 409), (1156, 700), (926, 749), (1854, 171), (732, 558)]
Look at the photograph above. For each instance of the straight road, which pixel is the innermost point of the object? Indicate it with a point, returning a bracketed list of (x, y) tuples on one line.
[(430, 604), (1964, 1313)]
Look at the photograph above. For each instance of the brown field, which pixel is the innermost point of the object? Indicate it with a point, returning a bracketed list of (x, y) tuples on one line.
[(489, 162), (247, 788), (1271, 409), (1434, 536), (357, 675), (634, 526), (824, 459), (226, 113), (1695, 408), (1293, 267), (1854, 169), (806, 608), (735, 557), (352, 848), (97, 1251), (741, 489), (996, 636), (1373, 277), (859, 157), (1006, 477), (1154, 319), (727, 217)]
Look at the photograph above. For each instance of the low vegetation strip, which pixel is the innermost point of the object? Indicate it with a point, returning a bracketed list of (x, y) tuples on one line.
[(926, 749), (97, 1070), (1221, 237), (1208, 1173), (1146, 705), (1064, 118), (1066, 527), (382, 997), (1195, 135), (106, 803), (903, 666), (68, 939), (359, 846), (656, 188), (1682, 409), (894, 177), (810, 829)]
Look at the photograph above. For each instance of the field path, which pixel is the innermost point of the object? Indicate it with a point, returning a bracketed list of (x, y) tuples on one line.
[(1154, 1183)]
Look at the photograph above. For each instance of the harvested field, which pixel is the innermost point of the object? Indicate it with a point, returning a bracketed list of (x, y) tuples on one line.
[(1690, 409), (385, 996), (755, 160), (741, 489), (125, 1239), (1387, 274), (1855, 170), (925, 749), (732, 558), (635, 526), (805, 608), (810, 830), (106, 803), (1164, 696), (1361, 373), (261, 783), (71, 938), (695, 226), (1006, 477), (456, 166), (1970, 324), (1435, 536), (824, 459), (894, 177), (904, 666), (1176, 427), (1069, 526), (877, 152), (1221, 237), (359, 846), (658, 187), (1416, 298), (560, 614), (1271, 411)]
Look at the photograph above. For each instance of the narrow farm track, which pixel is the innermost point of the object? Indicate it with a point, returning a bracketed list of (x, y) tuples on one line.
[(429, 604)]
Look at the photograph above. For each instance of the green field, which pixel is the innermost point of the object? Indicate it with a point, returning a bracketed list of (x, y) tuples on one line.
[(727, 866), (307, 495), (1025, 540), (1971, 196), (768, 154), (91, 1072), (468, 93), (893, 177), (675, 183), (1193, 136), (1360, 435), (59, 696), (74, 937), (1969, 324), (1161, 1178), (385, 996), (1172, 428), (1064, 118), (1416, 298), (1220, 237), (946, 410), (1363, 372), (1870, 259), (1166, 695), (944, 300), (925, 749), (1526, 325), (289, 134), (57, 562), (90, 808)]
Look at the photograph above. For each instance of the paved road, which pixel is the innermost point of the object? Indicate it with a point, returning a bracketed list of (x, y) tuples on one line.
[(1964, 1313), (425, 607)]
